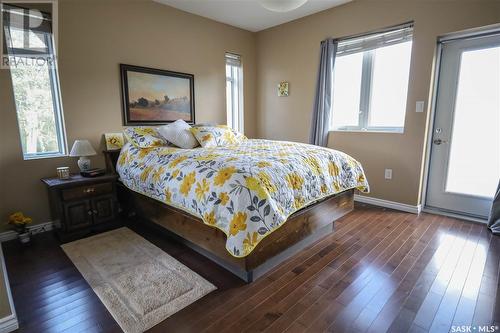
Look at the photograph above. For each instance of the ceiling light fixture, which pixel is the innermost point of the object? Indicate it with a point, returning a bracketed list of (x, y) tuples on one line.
[(282, 5)]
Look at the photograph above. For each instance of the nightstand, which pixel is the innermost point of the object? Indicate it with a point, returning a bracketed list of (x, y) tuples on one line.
[(83, 205)]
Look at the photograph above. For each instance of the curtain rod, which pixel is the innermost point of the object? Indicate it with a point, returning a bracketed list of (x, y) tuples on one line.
[(408, 24), (486, 31)]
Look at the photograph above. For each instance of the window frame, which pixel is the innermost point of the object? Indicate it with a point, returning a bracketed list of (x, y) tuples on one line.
[(55, 91), (366, 89), (235, 110)]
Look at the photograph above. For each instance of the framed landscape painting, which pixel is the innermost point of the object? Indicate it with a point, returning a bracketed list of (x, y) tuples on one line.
[(155, 96)]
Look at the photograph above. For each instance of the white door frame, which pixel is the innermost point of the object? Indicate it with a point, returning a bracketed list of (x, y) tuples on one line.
[(470, 33)]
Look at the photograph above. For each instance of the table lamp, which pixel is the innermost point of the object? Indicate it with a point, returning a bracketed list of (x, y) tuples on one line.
[(82, 149)]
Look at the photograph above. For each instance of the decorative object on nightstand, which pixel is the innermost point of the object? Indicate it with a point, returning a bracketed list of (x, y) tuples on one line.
[(283, 89), (83, 149), (20, 223), (83, 205), (114, 141), (63, 173), (93, 172)]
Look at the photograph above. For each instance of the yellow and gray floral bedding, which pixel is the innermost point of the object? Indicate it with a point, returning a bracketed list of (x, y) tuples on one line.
[(246, 190)]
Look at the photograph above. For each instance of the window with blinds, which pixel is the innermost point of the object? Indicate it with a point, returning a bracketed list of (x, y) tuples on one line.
[(371, 75), (234, 91), (28, 48)]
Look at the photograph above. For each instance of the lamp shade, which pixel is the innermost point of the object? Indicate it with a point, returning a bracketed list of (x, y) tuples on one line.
[(82, 148)]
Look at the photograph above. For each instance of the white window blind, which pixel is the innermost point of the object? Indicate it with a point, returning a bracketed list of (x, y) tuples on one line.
[(233, 59), (234, 91), (373, 41)]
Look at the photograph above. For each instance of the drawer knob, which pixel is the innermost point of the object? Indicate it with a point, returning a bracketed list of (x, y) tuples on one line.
[(89, 212), (89, 190)]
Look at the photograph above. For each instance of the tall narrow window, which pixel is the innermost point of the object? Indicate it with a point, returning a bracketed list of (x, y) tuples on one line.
[(234, 91), (30, 56), (371, 81)]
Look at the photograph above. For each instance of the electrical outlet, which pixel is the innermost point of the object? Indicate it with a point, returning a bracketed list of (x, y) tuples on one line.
[(388, 174), (419, 106)]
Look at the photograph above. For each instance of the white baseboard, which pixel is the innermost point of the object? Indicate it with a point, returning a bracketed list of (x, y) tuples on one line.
[(388, 204), (34, 229), (431, 210), (9, 323)]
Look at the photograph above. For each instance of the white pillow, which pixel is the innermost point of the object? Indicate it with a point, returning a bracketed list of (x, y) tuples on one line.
[(179, 134)]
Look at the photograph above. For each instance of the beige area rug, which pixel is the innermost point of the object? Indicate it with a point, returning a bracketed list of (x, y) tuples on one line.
[(139, 284)]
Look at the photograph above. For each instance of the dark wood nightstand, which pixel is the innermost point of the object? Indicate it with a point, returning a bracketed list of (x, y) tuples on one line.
[(83, 205)]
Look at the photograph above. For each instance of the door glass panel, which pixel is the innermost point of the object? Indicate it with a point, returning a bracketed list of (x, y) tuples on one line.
[(474, 163)]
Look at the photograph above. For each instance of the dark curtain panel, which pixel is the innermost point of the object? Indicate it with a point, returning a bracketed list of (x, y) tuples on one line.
[(323, 101)]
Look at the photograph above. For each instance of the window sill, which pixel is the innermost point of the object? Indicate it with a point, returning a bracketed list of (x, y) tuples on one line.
[(42, 157), (366, 131)]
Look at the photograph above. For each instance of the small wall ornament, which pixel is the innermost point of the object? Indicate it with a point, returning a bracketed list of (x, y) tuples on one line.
[(283, 89)]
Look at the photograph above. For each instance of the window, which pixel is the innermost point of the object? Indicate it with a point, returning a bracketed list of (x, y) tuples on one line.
[(30, 57), (234, 92), (370, 81)]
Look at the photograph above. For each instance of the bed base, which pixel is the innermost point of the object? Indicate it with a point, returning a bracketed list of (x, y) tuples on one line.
[(301, 230)]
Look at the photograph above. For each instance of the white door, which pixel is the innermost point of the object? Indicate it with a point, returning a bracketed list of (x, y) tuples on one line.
[(465, 154)]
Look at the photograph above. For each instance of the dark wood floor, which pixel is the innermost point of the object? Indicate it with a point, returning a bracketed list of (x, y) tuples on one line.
[(380, 271)]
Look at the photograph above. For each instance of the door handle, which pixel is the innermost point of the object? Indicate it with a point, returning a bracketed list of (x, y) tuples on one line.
[(439, 141)]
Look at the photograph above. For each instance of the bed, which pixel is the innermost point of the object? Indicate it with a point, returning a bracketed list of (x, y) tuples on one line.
[(247, 206)]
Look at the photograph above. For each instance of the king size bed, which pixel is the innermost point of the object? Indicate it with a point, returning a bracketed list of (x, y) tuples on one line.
[(247, 206)]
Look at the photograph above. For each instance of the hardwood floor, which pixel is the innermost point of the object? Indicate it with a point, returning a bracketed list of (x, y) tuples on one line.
[(380, 271)]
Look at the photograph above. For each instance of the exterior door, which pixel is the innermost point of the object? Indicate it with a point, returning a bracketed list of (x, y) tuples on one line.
[(465, 154)]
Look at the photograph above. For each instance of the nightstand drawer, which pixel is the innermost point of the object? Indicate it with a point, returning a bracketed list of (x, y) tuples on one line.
[(87, 191)]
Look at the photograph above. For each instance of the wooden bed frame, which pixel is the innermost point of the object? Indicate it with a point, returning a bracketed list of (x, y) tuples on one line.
[(300, 230)]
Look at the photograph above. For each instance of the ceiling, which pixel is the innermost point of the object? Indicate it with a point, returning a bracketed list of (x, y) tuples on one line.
[(248, 14)]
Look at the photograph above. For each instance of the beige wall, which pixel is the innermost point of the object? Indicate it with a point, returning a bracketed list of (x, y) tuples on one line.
[(5, 309), (5, 304), (96, 36), (290, 52)]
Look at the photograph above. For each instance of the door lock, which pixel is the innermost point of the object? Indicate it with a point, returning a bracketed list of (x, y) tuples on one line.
[(439, 141)]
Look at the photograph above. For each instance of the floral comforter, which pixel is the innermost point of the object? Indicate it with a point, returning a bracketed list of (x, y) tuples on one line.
[(246, 190)]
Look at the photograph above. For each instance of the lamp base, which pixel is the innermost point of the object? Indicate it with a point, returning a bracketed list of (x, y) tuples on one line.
[(84, 163)]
